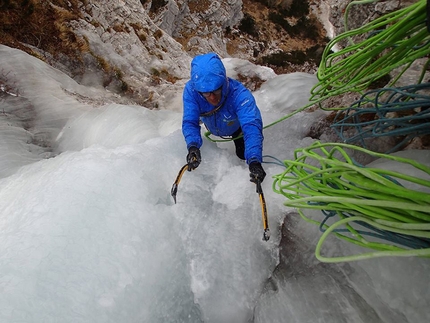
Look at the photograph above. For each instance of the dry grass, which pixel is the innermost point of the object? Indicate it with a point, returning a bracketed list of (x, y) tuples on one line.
[(158, 75), (46, 26), (199, 5), (41, 24)]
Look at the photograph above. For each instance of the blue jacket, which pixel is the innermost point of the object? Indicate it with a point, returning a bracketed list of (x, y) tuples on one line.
[(237, 107)]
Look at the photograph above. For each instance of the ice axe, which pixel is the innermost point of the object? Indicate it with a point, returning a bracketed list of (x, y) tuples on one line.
[(266, 233), (174, 189)]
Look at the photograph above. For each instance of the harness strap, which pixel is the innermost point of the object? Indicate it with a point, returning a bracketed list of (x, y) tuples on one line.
[(212, 112)]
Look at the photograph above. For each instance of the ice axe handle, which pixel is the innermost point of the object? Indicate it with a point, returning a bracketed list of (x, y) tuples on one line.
[(174, 189), (266, 233)]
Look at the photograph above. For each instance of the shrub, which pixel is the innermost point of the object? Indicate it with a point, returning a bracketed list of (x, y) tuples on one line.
[(276, 59), (298, 8), (156, 5), (247, 25), (305, 27)]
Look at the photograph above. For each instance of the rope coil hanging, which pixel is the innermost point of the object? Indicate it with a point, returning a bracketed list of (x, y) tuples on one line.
[(324, 177), (395, 40)]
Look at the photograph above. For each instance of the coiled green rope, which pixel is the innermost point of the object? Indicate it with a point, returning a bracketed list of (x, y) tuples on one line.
[(324, 177), (348, 7), (397, 40)]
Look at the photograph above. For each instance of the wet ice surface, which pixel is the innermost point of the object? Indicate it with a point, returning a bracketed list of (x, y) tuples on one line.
[(91, 234), (303, 289)]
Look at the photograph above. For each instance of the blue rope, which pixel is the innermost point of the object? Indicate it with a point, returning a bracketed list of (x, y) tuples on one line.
[(398, 238), (387, 112), (276, 162)]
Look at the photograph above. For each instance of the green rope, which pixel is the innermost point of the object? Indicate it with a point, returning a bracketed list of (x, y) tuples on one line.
[(398, 38), (389, 251), (348, 7), (324, 177)]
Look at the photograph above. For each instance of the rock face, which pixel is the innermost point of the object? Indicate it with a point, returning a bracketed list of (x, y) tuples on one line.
[(359, 14), (111, 44), (122, 34), (199, 25), (140, 50)]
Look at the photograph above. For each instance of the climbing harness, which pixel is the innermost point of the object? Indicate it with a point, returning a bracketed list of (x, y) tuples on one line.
[(213, 111)]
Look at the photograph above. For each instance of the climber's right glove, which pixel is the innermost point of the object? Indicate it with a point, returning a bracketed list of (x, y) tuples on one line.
[(193, 158)]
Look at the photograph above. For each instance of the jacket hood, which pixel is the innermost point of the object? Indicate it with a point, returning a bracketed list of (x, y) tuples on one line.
[(207, 72)]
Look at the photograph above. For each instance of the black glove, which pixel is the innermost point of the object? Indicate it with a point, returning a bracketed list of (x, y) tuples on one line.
[(256, 172), (193, 158)]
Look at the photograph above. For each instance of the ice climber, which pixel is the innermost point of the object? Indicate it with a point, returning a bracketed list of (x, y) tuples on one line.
[(227, 108)]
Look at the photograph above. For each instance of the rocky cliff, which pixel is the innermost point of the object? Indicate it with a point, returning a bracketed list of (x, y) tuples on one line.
[(140, 51)]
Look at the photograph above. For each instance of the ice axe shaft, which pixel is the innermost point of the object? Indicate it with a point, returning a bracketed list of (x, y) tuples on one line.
[(266, 233), (175, 185), (174, 189)]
